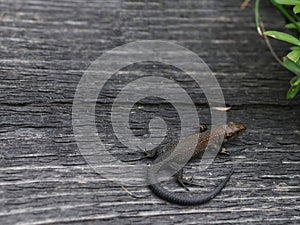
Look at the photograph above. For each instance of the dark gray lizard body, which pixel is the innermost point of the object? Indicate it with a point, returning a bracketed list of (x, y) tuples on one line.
[(232, 130)]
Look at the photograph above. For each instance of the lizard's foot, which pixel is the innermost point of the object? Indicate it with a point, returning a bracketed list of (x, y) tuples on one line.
[(183, 182), (134, 160), (224, 151), (147, 155), (186, 181), (202, 128)]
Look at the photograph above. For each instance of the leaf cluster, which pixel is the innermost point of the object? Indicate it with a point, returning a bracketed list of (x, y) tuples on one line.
[(290, 9)]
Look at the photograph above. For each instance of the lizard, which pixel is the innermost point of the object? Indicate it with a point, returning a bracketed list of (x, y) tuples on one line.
[(230, 131)]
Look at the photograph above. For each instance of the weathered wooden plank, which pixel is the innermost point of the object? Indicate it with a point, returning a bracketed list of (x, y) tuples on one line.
[(44, 49)]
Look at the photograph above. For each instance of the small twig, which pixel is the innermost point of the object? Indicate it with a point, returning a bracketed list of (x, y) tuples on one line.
[(131, 194), (245, 4)]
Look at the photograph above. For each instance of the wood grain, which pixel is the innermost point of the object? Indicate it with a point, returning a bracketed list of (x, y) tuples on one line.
[(45, 46)]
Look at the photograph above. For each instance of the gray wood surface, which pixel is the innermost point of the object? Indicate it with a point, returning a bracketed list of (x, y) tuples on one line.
[(45, 46)]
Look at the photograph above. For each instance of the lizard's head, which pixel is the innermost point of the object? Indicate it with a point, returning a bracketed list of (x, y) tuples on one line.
[(234, 129)]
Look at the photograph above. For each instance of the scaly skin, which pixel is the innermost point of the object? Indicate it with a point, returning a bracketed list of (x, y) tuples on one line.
[(232, 130)]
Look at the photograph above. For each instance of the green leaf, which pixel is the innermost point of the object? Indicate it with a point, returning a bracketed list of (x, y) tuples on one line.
[(295, 48), (292, 92), (295, 81), (296, 9), (288, 2), (283, 37), (291, 66), (291, 25), (257, 19), (294, 55)]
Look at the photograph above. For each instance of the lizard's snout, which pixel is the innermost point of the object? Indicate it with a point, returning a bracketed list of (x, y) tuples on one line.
[(234, 129)]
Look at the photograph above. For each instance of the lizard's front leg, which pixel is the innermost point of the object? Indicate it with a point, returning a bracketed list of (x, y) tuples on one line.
[(203, 128), (147, 155)]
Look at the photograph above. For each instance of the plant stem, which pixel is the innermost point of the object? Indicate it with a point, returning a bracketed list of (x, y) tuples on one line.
[(276, 57)]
